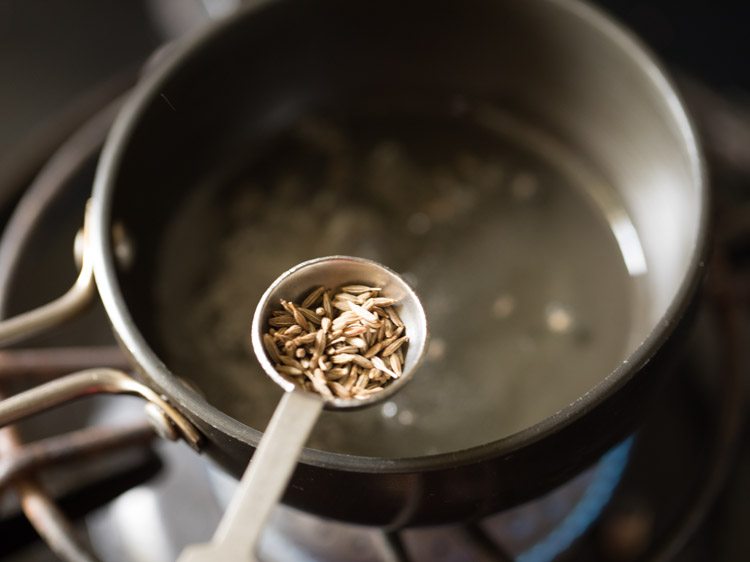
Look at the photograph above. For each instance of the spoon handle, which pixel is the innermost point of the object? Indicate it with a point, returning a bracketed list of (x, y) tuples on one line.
[(263, 483)]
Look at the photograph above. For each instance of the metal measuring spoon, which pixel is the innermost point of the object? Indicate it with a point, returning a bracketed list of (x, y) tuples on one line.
[(272, 465)]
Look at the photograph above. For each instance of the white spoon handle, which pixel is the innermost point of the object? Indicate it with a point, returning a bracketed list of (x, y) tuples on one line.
[(263, 483)]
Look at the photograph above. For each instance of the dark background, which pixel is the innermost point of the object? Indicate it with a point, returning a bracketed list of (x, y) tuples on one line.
[(708, 40)]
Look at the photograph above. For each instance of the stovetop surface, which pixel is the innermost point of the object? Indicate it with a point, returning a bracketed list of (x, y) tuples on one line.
[(639, 498)]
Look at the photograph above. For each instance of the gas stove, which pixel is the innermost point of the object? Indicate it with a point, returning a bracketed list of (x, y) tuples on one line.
[(671, 491)]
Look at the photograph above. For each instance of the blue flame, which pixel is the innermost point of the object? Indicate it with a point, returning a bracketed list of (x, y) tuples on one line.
[(587, 510)]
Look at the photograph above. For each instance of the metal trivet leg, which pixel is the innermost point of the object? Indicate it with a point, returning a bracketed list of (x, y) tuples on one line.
[(390, 546), (485, 544)]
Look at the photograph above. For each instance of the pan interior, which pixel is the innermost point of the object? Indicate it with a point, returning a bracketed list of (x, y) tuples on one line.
[(523, 163), (514, 243)]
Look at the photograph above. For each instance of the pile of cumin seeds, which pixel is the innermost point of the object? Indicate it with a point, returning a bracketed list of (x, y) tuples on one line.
[(343, 343)]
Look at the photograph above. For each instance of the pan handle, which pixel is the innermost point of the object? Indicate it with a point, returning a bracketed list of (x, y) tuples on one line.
[(167, 420), (61, 309)]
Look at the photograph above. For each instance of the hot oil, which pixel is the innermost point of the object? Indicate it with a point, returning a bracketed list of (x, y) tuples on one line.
[(509, 239)]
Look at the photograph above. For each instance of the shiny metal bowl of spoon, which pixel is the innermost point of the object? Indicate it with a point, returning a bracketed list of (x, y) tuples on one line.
[(267, 475)]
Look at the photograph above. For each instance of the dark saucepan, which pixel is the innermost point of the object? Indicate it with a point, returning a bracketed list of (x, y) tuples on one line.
[(293, 103)]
